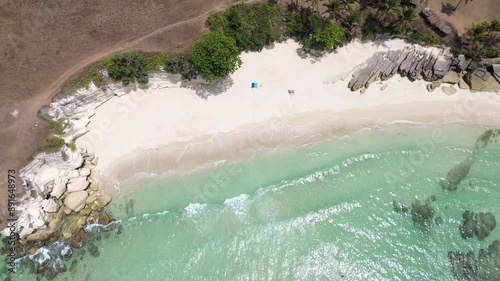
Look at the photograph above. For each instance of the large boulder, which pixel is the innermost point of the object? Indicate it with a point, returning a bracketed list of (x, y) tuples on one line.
[(449, 90), (58, 190), (486, 222), (463, 85), (480, 224), (421, 214), (76, 200), (480, 80), (457, 174), (50, 206), (468, 226), (78, 186), (451, 77)]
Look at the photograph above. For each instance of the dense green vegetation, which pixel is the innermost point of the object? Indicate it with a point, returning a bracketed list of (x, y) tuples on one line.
[(130, 67), (426, 38), (251, 26), (320, 28), (315, 33), (216, 56), (481, 40)]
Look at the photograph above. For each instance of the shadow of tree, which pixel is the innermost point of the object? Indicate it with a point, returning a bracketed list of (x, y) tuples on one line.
[(447, 9), (217, 88), (304, 55)]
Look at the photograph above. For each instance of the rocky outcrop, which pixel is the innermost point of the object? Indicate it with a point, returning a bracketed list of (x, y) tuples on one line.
[(480, 224), (460, 171), (480, 80), (457, 174), (411, 62), (422, 213)]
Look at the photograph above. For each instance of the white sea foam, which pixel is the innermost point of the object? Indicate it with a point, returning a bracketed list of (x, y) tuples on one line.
[(195, 209), (238, 205)]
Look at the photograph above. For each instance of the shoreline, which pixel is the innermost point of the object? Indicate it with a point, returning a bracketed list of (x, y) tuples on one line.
[(283, 134), (186, 121)]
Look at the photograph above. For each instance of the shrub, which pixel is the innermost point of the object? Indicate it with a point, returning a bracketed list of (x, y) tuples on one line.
[(314, 32), (329, 38), (57, 127), (129, 67), (180, 64), (251, 26), (88, 75), (492, 53), (426, 38), (216, 56), (72, 146), (54, 143)]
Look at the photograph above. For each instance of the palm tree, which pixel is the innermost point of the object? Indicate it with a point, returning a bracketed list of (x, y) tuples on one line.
[(389, 9), (466, 2), (493, 26), (315, 4), (404, 19), (476, 34), (334, 9)]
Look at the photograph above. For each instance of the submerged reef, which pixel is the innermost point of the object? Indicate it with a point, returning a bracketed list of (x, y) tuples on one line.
[(479, 224), (484, 267)]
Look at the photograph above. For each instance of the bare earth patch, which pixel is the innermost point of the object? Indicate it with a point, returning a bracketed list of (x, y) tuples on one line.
[(466, 14)]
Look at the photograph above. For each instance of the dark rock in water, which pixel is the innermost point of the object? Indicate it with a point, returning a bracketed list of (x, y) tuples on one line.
[(483, 139), (67, 253), (485, 223), (468, 227), (463, 266), (438, 220), (457, 174), (480, 224), (422, 214), (94, 251), (73, 265), (485, 267), (399, 207)]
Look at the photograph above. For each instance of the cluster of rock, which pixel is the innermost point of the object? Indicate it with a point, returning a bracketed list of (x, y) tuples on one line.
[(413, 62), (422, 213), (486, 266), (479, 224), (432, 64), (52, 259)]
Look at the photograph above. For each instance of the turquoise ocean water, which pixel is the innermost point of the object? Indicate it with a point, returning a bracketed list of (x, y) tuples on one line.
[(321, 212)]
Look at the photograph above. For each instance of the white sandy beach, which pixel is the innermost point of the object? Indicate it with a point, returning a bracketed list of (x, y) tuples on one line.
[(176, 121)]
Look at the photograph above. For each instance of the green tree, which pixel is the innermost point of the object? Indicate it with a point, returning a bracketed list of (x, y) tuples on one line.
[(466, 2), (252, 26), (334, 9), (404, 20), (329, 38), (216, 56), (476, 35), (389, 9), (129, 68), (492, 27)]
